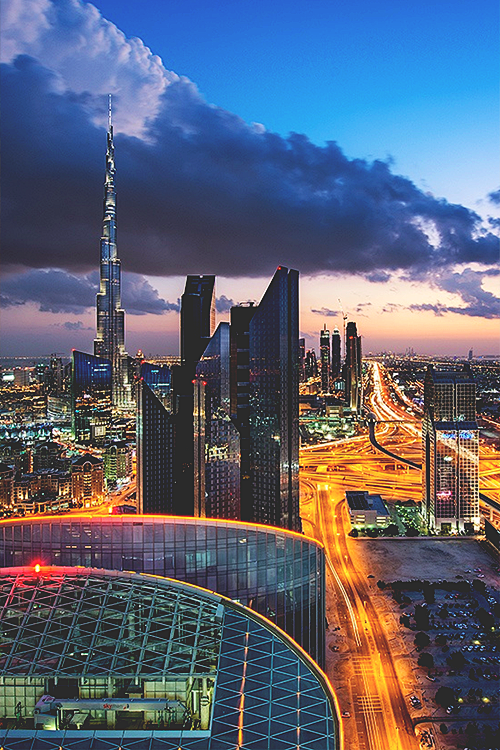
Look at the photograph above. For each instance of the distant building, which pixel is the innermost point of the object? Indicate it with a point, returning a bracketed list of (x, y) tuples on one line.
[(367, 511), (353, 367), (302, 359), (117, 458), (450, 451), (311, 364), (274, 408), (87, 480), (336, 356), (6, 484), (324, 348), (197, 319), (91, 398)]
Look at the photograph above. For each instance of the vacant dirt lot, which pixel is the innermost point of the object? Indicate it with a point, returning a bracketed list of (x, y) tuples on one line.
[(424, 558)]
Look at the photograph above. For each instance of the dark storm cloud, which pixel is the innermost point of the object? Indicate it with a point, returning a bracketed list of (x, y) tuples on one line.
[(57, 291), (378, 277), (209, 194)]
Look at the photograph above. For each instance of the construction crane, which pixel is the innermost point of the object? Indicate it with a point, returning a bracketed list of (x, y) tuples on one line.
[(344, 318)]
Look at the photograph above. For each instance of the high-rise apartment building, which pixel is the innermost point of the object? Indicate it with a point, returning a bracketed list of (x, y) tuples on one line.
[(110, 339), (324, 348), (450, 451), (336, 357), (274, 389)]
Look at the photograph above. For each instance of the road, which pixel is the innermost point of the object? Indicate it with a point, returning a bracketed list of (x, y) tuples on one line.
[(379, 712)]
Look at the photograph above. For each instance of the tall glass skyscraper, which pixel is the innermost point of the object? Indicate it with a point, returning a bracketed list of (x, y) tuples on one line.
[(336, 360), (450, 448), (274, 410), (353, 365), (110, 338), (216, 438), (197, 319), (91, 406)]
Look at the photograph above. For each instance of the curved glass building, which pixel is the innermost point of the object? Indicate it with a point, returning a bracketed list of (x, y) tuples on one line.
[(278, 573), (107, 659)]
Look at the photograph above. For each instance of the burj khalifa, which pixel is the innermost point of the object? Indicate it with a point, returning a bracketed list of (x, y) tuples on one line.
[(110, 340)]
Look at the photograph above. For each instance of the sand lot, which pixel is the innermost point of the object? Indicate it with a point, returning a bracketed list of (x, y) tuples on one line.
[(424, 558)]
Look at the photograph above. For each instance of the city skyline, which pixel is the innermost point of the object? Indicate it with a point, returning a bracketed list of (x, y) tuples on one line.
[(201, 191)]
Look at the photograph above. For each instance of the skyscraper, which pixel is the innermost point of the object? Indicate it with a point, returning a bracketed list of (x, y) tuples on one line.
[(110, 339), (450, 451), (91, 406), (216, 438), (274, 395), (155, 455), (197, 319), (336, 360), (353, 364), (324, 348)]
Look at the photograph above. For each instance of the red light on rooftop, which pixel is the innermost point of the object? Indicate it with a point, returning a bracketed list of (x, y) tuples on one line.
[(38, 568)]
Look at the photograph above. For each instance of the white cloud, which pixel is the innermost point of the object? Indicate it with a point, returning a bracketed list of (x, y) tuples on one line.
[(90, 56)]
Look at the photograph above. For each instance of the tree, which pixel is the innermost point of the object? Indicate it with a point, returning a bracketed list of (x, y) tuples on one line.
[(485, 618), (445, 696), (405, 620), (441, 640), (422, 640), (443, 612), (443, 729), (425, 660), (429, 595), (456, 660), (479, 586), (421, 617), (381, 584), (354, 533), (372, 532), (392, 530), (472, 675), (411, 531)]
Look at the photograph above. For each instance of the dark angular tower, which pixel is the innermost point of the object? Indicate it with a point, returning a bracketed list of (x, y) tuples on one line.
[(274, 410), (353, 393), (110, 339), (336, 359), (197, 319)]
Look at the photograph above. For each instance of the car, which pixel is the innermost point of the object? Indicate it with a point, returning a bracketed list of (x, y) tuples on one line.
[(430, 678), (346, 715)]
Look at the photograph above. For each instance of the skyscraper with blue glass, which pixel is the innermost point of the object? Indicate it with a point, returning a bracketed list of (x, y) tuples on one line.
[(110, 338), (274, 404)]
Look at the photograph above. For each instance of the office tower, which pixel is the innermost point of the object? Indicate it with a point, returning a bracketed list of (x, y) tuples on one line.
[(274, 439), (353, 368), (91, 405), (336, 360), (240, 318), (450, 451), (197, 319), (216, 438), (311, 364), (324, 349), (110, 338), (155, 455), (302, 359), (471, 355)]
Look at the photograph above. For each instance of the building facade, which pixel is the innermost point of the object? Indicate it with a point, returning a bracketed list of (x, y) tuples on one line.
[(450, 451), (216, 438), (127, 660), (87, 481), (91, 398), (274, 407), (277, 573), (353, 367)]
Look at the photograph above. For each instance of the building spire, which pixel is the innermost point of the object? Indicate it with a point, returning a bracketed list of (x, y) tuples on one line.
[(110, 121)]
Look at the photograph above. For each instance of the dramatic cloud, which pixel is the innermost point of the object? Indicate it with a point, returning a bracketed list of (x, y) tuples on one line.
[(326, 312), (223, 304), (78, 326), (56, 291), (199, 190), (478, 302), (494, 197)]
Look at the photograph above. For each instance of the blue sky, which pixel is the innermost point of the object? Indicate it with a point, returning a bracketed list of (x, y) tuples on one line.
[(417, 82), (399, 219)]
